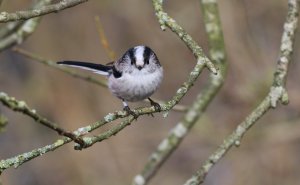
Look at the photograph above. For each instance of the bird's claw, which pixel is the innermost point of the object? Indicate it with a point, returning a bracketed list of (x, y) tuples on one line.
[(157, 107), (130, 112)]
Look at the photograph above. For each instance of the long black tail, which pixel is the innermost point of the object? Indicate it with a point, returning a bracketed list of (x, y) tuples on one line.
[(96, 68)]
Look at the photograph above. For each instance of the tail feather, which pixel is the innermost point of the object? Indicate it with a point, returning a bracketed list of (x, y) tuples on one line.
[(96, 68)]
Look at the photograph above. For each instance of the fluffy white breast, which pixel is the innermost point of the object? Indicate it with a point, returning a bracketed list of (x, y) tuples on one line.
[(137, 85)]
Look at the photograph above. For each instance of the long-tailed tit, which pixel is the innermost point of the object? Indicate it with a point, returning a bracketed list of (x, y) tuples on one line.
[(133, 77)]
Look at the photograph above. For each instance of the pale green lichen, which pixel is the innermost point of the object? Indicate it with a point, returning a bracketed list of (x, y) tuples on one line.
[(180, 130), (275, 94), (109, 117), (163, 145), (21, 104), (29, 26), (3, 95), (3, 16)]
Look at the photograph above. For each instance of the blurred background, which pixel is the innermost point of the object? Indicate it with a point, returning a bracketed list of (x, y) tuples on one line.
[(268, 155)]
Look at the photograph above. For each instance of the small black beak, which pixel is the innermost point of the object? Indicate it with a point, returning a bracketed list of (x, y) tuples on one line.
[(140, 67)]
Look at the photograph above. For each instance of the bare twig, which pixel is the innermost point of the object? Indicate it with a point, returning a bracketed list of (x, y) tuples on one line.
[(166, 21), (277, 93), (104, 41), (21, 106), (19, 32), (9, 28), (178, 133), (202, 61), (53, 8), (180, 93)]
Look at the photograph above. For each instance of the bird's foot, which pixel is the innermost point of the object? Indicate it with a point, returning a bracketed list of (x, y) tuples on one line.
[(130, 112), (157, 107)]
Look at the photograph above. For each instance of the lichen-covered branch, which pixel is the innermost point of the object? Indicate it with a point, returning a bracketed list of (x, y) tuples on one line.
[(22, 158), (9, 28), (277, 93), (21, 106), (166, 21), (89, 141), (12, 37), (178, 133), (180, 93), (4, 164), (36, 12)]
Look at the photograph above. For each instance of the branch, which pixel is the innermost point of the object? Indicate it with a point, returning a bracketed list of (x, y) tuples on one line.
[(25, 157), (202, 61), (165, 20), (53, 8), (20, 35), (277, 93), (180, 93), (21, 106), (104, 41), (22, 158), (9, 28), (24, 30), (178, 133)]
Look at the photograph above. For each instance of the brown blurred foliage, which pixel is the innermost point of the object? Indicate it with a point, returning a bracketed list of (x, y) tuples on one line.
[(268, 154)]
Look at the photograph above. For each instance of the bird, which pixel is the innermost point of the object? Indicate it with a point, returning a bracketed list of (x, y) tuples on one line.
[(133, 77)]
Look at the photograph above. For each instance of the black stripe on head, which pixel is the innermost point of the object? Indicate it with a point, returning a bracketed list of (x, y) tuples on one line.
[(147, 53), (156, 61), (131, 53)]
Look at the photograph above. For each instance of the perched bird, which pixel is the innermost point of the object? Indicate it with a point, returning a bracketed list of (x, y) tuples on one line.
[(133, 77)]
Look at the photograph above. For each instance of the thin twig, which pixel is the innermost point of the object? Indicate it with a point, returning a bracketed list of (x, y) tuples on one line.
[(104, 41), (9, 28), (166, 21), (277, 93), (202, 61), (178, 133), (28, 14), (21, 106), (180, 93), (23, 31)]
